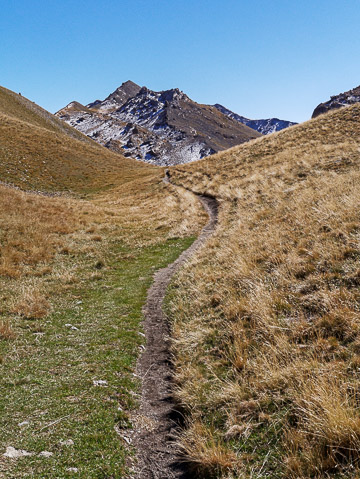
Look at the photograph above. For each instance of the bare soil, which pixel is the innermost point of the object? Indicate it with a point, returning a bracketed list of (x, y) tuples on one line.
[(156, 423)]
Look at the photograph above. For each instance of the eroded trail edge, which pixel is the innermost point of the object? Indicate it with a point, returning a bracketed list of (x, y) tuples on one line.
[(154, 423)]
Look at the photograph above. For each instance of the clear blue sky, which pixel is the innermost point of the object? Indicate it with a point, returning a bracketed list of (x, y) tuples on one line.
[(259, 58)]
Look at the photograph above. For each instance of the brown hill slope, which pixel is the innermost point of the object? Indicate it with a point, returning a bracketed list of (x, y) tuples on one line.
[(39, 151), (18, 106), (266, 320)]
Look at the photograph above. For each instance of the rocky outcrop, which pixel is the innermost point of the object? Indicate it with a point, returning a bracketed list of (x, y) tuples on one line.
[(338, 101), (117, 98)]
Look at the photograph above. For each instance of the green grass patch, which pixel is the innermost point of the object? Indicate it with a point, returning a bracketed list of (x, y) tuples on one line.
[(50, 371)]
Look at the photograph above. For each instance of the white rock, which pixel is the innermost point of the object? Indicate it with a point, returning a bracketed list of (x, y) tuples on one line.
[(46, 453), (67, 442), (24, 423), (100, 382), (15, 453), (74, 328), (72, 469)]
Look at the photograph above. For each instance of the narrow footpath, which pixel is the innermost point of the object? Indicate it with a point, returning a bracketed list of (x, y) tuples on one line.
[(155, 423)]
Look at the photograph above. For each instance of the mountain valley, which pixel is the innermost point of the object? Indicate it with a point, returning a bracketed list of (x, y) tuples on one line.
[(261, 332)]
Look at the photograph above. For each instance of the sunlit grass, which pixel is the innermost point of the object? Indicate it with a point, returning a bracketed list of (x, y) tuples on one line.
[(268, 314)]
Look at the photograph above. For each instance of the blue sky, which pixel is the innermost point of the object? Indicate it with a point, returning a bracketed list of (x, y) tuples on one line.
[(259, 58)]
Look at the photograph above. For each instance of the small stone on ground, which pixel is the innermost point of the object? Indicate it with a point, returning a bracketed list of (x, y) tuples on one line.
[(46, 453), (100, 382), (67, 442), (16, 453)]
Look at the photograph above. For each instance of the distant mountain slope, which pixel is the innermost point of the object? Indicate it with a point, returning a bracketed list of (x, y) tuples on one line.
[(162, 128), (39, 151), (338, 101), (265, 127)]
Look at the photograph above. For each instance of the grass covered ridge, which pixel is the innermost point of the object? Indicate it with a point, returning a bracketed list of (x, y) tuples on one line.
[(266, 318), (40, 152)]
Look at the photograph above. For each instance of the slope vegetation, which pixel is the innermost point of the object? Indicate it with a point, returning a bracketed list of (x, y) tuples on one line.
[(266, 319), (39, 151), (73, 278)]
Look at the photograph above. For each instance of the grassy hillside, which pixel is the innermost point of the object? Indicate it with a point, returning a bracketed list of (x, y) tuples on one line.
[(73, 279), (39, 151), (17, 106), (266, 319)]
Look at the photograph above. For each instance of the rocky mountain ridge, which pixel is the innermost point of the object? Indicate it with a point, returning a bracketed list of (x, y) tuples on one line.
[(338, 101), (120, 96), (163, 128), (265, 127)]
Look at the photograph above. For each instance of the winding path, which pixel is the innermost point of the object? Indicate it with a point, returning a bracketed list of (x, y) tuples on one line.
[(155, 424)]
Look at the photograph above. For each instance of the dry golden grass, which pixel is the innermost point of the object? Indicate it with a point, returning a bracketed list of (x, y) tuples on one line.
[(31, 304), (40, 234), (6, 331), (34, 227), (207, 455), (268, 314)]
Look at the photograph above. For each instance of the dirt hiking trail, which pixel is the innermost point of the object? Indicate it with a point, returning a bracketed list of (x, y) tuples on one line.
[(155, 422)]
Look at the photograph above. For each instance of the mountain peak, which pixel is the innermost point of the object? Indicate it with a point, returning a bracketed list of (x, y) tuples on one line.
[(129, 83), (128, 87), (117, 98), (172, 95), (160, 127)]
